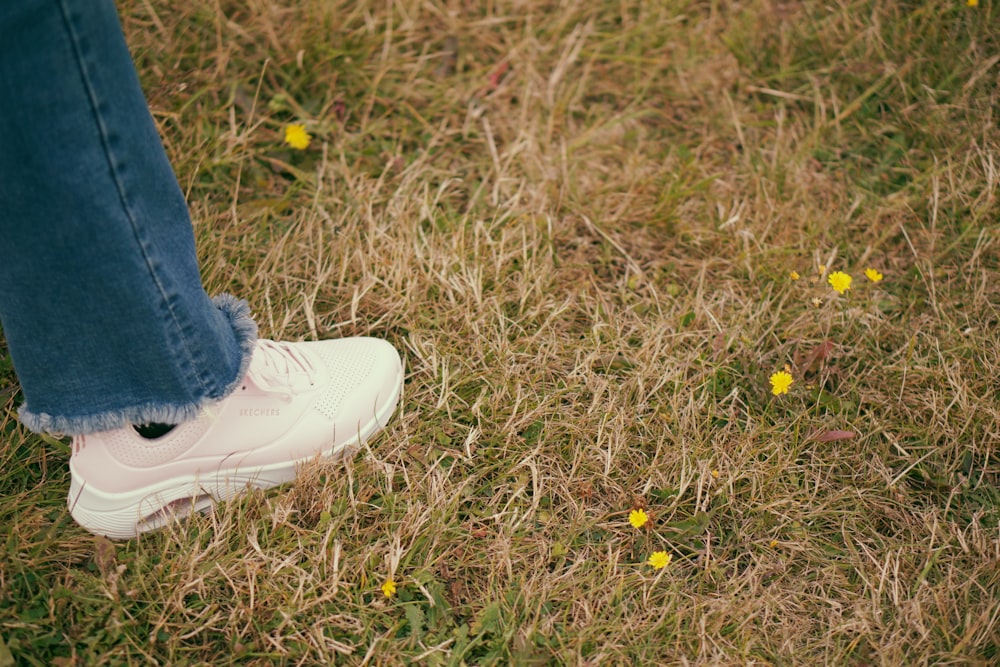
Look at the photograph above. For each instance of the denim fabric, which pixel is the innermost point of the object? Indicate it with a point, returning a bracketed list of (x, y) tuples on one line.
[(101, 300)]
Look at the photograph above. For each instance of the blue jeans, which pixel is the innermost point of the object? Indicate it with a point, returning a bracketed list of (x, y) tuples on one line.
[(101, 301)]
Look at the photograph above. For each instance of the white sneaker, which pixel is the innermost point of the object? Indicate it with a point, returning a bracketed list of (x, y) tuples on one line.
[(297, 400)]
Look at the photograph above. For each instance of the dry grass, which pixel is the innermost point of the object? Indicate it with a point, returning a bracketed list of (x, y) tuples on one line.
[(577, 220)]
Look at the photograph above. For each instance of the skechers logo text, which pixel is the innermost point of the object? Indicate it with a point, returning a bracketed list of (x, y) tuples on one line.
[(260, 412)]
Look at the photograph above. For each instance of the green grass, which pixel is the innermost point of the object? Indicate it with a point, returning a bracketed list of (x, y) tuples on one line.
[(577, 221)]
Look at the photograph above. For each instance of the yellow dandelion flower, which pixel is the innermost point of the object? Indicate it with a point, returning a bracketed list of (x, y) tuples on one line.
[(873, 275), (794, 275), (773, 544), (297, 137), (389, 588), (659, 559), (780, 382), (715, 474), (973, 3), (840, 281), (638, 518)]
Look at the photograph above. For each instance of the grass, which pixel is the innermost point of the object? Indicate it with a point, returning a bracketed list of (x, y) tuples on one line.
[(578, 221)]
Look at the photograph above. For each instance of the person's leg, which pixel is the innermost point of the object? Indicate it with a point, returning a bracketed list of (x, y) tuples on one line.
[(103, 309), (101, 300)]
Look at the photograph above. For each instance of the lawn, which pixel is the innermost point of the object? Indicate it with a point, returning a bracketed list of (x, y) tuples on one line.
[(596, 230)]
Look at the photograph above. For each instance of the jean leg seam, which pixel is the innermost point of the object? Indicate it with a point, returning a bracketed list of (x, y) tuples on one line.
[(95, 107)]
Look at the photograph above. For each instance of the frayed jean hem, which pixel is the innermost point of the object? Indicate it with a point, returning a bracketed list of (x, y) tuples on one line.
[(244, 328)]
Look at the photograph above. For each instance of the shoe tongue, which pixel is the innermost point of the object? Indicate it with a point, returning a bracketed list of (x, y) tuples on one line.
[(276, 365)]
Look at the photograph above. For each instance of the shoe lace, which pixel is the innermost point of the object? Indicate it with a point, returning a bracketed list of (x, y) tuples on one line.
[(279, 367)]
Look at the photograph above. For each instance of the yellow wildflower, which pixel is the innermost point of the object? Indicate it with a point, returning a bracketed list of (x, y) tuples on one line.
[(297, 137), (774, 543), (780, 382), (973, 3), (659, 559), (840, 281), (873, 275), (638, 518), (389, 587), (715, 474), (794, 275)]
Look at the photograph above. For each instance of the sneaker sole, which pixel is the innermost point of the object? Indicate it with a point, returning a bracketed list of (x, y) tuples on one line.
[(127, 515)]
